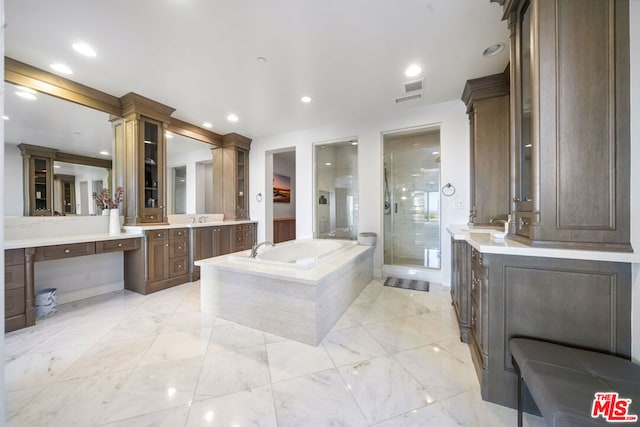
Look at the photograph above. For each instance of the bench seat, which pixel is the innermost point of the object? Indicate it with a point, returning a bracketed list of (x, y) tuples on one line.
[(563, 380)]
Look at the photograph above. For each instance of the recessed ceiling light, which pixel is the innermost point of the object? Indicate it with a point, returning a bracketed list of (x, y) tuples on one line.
[(61, 68), (261, 60), (527, 146), (328, 164), (5, 117), (26, 95), (84, 49), (493, 50), (168, 134), (104, 153), (232, 117), (435, 153), (413, 70), (306, 99), (354, 143), (207, 125), (56, 166)]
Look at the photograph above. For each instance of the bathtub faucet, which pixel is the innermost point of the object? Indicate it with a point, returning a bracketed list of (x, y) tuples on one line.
[(254, 250)]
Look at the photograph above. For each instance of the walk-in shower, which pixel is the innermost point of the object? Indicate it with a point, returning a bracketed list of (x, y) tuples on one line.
[(411, 199)]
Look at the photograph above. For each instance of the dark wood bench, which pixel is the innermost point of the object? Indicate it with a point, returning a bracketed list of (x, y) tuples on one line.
[(564, 381)]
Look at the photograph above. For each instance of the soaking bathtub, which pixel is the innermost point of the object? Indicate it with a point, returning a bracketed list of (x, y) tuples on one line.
[(297, 290)]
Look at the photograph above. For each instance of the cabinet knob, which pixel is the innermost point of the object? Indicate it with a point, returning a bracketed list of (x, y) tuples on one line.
[(166, 244), (522, 223), (66, 251), (179, 265), (151, 217), (159, 234), (179, 247), (119, 245)]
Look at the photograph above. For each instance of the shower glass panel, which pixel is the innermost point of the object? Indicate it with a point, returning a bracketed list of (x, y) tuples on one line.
[(411, 197), (336, 194)]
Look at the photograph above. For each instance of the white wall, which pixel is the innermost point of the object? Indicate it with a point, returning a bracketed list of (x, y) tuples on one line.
[(454, 134), (282, 166), (634, 19), (196, 191), (13, 191)]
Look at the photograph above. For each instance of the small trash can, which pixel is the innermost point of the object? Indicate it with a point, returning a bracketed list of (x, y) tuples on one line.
[(367, 239), (46, 301)]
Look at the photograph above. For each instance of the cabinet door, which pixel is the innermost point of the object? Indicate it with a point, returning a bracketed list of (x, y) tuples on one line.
[(242, 184), (222, 240), (153, 165), (40, 183), (157, 260), (204, 243)]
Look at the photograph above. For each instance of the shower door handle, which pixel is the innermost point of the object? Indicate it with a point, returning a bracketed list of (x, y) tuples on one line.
[(395, 208)]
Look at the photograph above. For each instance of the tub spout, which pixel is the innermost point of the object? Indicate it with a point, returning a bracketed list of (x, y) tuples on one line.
[(254, 250)]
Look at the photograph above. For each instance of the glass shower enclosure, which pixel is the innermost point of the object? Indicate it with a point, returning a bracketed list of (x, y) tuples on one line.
[(411, 197)]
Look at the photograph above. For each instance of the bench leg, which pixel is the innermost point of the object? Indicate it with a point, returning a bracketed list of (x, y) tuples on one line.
[(520, 397)]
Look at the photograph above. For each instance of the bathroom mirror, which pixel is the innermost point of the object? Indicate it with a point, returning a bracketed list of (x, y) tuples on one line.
[(189, 176), (80, 134)]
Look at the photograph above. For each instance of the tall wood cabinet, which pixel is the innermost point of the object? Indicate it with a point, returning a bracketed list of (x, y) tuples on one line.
[(570, 122), (231, 176), (38, 179), (487, 101), (140, 159)]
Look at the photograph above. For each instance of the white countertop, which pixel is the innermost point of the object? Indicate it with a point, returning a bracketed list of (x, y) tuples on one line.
[(187, 225), (481, 240), (65, 240)]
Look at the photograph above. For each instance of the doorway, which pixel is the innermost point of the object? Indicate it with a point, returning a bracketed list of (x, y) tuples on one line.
[(411, 199), (280, 197)]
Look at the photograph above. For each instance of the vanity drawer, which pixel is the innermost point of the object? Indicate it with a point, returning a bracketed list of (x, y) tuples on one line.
[(13, 302), (178, 249), (151, 215), (178, 266), (14, 277), (117, 245), (158, 234), (48, 253), (178, 233), (14, 256)]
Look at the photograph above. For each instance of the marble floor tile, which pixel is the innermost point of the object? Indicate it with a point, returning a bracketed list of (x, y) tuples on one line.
[(370, 312), (290, 359), (164, 348), (75, 402), (101, 361), (31, 369), (154, 388), (397, 335), (110, 357), (403, 306), (245, 408), (232, 371), (383, 388), (186, 321), (167, 417), (347, 346), (319, 399), (438, 371), (231, 336)]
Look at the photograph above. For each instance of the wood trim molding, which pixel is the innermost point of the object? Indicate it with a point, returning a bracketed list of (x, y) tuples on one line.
[(236, 140), (83, 160), (484, 87), (132, 103), (19, 73), (191, 131)]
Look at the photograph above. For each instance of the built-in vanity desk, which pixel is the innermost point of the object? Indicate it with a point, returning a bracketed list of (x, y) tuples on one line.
[(502, 288), (32, 241)]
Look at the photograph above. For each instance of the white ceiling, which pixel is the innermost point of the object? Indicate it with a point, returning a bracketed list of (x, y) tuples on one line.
[(199, 56)]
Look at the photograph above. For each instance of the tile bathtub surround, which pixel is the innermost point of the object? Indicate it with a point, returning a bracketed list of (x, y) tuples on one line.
[(393, 359)]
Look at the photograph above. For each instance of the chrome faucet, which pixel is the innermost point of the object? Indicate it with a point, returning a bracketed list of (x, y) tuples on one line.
[(193, 220), (497, 221), (254, 250), (202, 219)]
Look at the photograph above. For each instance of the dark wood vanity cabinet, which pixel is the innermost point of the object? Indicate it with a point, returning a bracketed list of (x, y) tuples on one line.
[(15, 290), (209, 242), (284, 229), (231, 177), (460, 285), (163, 263), (244, 236), (487, 101), (570, 122)]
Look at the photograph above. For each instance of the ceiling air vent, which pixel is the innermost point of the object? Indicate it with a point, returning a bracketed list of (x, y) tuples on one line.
[(413, 86), (408, 98)]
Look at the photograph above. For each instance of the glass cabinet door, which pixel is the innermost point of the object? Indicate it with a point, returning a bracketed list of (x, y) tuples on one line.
[(525, 146), (241, 178), (41, 186), (151, 160)]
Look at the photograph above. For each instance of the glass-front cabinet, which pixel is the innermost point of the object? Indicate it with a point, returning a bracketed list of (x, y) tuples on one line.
[(241, 180), (152, 150), (38, 179), (231, 177)]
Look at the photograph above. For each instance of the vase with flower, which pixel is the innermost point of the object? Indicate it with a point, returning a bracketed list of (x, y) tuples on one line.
[(107, 202)]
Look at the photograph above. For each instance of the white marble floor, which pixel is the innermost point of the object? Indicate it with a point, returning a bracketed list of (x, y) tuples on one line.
[(123, 359)]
